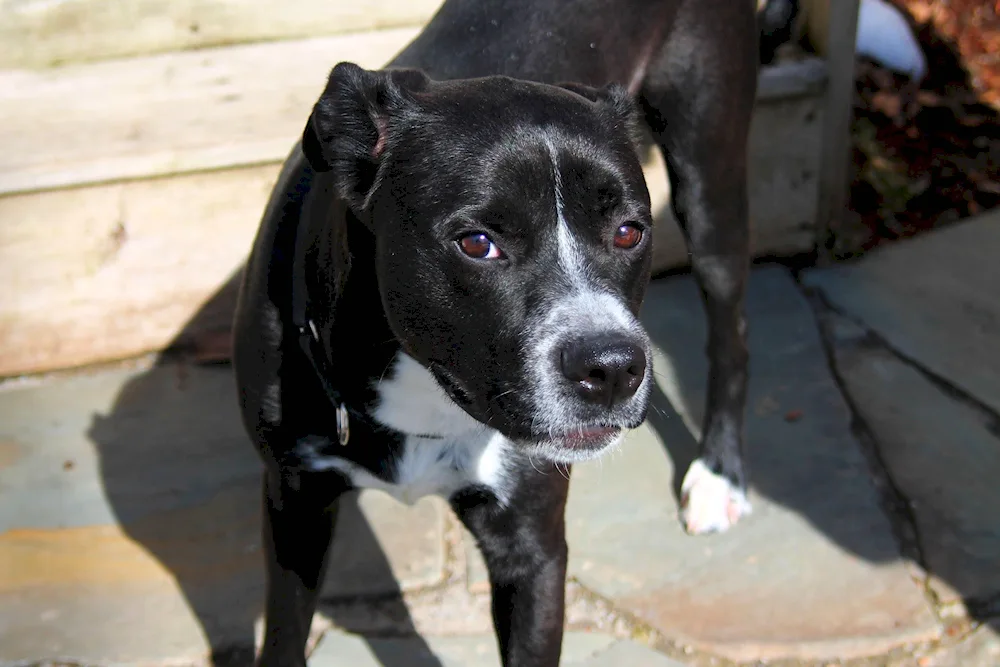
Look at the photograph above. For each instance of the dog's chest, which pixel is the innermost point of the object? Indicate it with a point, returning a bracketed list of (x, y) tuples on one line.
[(427, 466), (444, 450)]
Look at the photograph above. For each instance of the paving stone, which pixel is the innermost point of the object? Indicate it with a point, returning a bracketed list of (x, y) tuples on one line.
[(129, 527), (934, 299), (980, 649), (477, 577), (386, 547), (631, 654), (343, 650), (814, 571), (940, 453)]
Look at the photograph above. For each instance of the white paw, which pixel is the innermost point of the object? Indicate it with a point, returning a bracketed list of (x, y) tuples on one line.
[(709, 502)]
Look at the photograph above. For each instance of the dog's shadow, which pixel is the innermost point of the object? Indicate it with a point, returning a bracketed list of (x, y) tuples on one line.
[(184, 483), (810, 465)]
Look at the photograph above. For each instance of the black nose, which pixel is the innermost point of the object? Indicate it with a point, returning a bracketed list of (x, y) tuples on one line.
[(605, 370)]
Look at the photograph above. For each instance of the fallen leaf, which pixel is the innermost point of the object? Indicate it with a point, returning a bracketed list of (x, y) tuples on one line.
[(888, 103)]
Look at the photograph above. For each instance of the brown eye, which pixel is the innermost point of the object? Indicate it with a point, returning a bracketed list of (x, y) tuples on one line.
[(627, 236), (479, 246)]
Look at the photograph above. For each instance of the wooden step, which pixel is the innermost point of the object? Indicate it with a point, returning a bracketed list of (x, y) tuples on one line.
[(170, 113), (43, 33), (130, 190)]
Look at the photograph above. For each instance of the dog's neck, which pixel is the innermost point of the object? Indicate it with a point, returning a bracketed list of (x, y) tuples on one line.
[(322, 256), (336, 305)]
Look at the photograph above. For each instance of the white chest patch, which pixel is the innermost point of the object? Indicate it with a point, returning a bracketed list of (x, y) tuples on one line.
[(461, 453)]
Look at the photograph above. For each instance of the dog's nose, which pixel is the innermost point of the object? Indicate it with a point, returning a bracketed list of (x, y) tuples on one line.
[(605, 370)]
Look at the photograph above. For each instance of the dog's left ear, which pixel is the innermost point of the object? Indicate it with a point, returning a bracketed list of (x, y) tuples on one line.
[(348, 132), (615, 102)]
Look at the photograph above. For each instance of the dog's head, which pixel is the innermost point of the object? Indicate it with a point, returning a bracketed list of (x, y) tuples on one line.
[(513, 243)]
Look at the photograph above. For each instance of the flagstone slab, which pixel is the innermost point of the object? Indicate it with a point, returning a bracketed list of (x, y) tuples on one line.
[(814, 572), (631, 654), (933, 298), (130, 522), (980, 649), (942, 455), (343, 650)]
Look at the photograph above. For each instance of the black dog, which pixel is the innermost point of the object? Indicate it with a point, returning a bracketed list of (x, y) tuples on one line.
[(442, 295)]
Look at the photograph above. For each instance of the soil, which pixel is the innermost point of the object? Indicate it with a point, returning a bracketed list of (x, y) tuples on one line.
[(927, 156)]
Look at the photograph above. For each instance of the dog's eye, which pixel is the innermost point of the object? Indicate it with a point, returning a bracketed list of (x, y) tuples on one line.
[(627, 236), (479, 246)]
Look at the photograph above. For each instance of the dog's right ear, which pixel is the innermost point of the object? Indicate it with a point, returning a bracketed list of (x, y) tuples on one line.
[(616, 104), (350, 129)]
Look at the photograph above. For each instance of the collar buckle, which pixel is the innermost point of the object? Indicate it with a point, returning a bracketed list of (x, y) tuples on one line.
[(343, 425)]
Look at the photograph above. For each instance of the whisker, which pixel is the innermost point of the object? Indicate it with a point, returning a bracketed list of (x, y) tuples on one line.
[(385, 370)]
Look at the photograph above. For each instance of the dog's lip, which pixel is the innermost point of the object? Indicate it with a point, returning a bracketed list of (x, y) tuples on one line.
[(592, 437), (587, 437), (449, 383)]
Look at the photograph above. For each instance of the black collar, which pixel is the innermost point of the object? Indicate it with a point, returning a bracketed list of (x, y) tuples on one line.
[(311, 343), (309, 339)]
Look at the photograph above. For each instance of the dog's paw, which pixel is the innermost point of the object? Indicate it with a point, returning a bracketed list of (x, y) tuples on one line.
[(710, 503)]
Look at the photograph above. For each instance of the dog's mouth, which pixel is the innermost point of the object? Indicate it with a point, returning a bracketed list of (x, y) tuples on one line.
[(584, 438), (450, 384), (575, 443)]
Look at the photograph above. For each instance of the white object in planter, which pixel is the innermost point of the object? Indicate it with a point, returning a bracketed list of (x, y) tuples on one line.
[(882, 34), (885, 37)]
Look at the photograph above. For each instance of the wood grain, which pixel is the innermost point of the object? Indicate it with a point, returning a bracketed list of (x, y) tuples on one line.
[(112, 271), (42, 33), (170, 113)]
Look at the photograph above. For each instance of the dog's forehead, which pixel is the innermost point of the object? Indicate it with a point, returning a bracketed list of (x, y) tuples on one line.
[(583, 167), (503, 144), (503, 99), (482, 112), (534, 160)]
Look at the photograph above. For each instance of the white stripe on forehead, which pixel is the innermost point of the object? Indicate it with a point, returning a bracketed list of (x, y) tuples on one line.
[(570, 256)]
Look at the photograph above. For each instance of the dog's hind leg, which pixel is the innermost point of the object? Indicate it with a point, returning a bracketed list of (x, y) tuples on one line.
[(698, 98), (524, 545), (299, 516)]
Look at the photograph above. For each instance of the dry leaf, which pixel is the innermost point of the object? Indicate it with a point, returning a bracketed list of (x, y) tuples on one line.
[(888, 103)]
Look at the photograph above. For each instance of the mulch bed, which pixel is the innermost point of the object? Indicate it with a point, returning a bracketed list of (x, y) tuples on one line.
[(929, 157)]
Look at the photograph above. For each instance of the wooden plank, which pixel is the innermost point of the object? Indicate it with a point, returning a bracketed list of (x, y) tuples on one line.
[(112, 271), (41, 33), (834, 180), (174, 113), (170, 113)]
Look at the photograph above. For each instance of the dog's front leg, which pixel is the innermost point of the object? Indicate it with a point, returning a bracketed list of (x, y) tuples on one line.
[(524, 544), (299, 516)]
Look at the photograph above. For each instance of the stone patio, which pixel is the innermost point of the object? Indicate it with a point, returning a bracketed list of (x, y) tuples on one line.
[(129, 515)]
